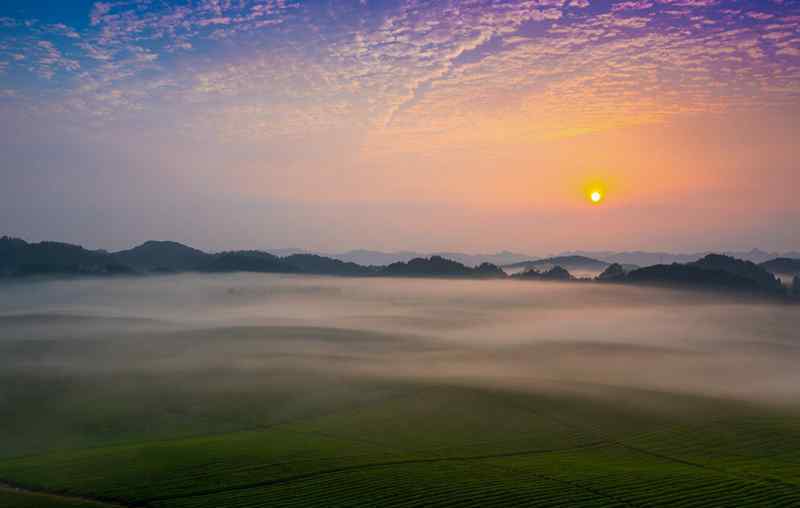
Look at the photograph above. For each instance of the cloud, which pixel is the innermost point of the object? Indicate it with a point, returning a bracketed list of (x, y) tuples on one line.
[(63, 30), (213, 21), (760, 15), (690, 3), (99, 11), (788, 51), (50, 59), (632, 6), (418, 66), (587, 76)]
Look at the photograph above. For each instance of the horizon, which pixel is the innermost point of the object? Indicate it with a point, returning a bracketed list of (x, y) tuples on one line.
[(535, 126), (754, 254)]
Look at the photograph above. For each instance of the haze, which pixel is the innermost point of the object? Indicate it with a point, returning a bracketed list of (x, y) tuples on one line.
[(245, 331)]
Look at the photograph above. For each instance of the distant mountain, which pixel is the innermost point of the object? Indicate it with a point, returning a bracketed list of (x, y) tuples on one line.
[(637, 258), (378, 258), (758, 255), (615, 272), (18, 257), (712, 271), (489, 271), (555, 273), (640, 258), (375, 258), (782, 266), (499, 258), (312, 263), (281, 253), (163, 256), (247, 261), (437, 266), (568, 262)]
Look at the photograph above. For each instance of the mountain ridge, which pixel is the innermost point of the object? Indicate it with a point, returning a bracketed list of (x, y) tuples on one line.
[(19, 258), (649, 258)]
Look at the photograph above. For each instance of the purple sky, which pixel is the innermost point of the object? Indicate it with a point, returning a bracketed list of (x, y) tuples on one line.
[(473, 125)]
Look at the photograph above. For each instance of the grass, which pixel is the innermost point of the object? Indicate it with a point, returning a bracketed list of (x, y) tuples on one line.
[(10, 498), (437, 445)]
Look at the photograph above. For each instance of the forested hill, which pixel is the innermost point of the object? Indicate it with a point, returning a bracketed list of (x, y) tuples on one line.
[(19, 258)]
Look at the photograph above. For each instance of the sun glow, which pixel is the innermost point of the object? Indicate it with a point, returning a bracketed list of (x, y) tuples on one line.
[(594, 190)]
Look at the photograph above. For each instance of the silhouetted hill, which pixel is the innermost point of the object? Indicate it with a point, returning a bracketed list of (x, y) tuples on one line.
[(163, 256), (782, 266), (475, 260), (746, 269), (378, 258), (638, 258), (312, 263), (614, 272), (489, 271), (568, 262), (713, 271), (641, 258), (437, 266), (689, 275), (753, 255), (555, 273), (247, 261), (18, 257), (284, 252), (375, 258)]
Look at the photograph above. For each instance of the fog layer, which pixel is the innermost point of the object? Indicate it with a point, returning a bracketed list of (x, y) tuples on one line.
[(512, 334)]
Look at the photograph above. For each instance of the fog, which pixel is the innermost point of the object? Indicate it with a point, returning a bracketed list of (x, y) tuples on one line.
[(511, 334)]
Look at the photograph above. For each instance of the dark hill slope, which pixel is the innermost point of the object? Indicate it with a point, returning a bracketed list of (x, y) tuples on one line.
[(614, 273), (746, 269), (688, 275), (312, 263), (567, 262), (556, 273), (437, 266), (713, 271), (247, 261), (18, 257), (782, 266), (157, 255)]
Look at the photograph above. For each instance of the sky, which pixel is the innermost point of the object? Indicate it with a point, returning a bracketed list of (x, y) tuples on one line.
[(470, 125)]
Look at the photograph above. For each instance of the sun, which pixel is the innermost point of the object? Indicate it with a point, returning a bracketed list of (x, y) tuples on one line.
[(595, 191)]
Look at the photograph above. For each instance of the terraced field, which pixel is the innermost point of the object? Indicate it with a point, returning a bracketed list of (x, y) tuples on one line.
[(14, 498), (449, 445), (397, 397)]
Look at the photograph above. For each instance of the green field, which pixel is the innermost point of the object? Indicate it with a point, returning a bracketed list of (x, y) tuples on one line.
[(126, 412), (444, 445)]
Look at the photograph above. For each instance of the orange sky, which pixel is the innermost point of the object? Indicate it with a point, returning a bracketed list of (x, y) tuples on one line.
[(404, 125)]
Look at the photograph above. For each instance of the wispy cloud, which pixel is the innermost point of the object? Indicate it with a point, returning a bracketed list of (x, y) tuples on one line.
[(416, 66)]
